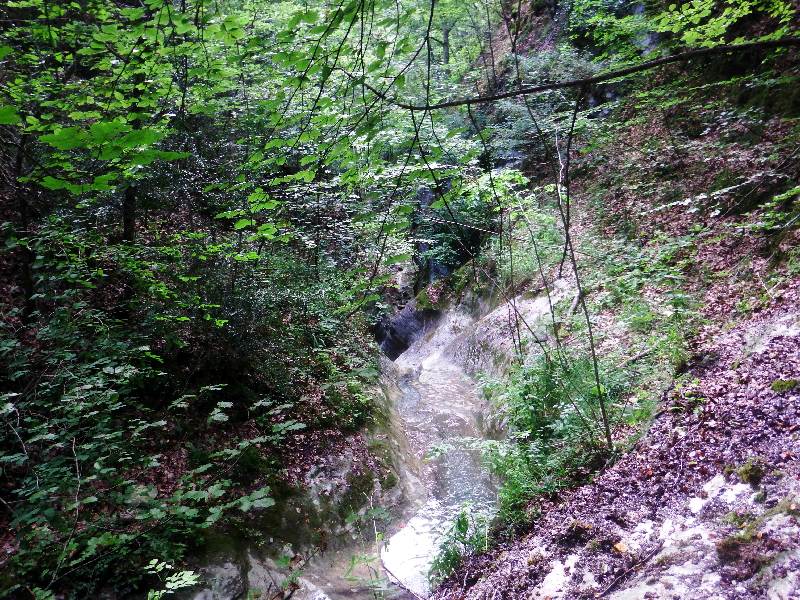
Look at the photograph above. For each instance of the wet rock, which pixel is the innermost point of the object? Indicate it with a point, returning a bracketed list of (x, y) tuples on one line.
[(487, 346), (402, 330), (223, 581)]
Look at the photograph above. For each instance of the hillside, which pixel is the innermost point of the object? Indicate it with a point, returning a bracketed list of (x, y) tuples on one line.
[(376, 300)]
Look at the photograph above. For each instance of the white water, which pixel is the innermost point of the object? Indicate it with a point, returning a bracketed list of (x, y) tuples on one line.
[(440, 405)]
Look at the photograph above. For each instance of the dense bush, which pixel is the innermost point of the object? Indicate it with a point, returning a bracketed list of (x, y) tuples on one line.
[(134, 403)]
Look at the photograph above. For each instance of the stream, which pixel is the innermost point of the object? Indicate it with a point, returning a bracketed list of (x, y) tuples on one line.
[(437, 404), (433, 403)]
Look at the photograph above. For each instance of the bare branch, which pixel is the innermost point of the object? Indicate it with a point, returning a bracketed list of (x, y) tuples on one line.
[(577, 83)]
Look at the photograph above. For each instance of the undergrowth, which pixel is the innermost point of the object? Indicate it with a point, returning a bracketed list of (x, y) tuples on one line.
[(549, 405), (468, 534)]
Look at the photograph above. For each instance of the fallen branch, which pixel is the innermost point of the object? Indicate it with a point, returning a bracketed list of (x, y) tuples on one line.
[(400, 583), (577, 83), (635, 565), (635, 357)]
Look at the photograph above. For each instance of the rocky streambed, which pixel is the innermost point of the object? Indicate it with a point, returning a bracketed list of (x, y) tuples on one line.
[(387, 545)]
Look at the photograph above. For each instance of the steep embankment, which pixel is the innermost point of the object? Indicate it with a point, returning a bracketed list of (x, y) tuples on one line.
[(706, 503), (687, 208)]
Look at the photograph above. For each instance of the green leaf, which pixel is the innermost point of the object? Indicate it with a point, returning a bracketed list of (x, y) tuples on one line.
[(141, 137), (9, 115), (66, 138), (404, 209), (51, 183), (397, 258), (107, 130)]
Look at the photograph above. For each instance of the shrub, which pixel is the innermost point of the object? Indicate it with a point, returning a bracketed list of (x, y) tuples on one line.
[(469, 534), (554, 437)]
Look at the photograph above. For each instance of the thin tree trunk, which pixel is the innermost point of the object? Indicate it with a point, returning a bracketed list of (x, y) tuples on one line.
[(446, 47), (129, 213), (24, 222)]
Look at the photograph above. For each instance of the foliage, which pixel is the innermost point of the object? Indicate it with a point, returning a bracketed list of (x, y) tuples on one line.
[(710, 23), (620, 31), (467, 535), (153, 373), (548, 406), (174, 580), (203, 201), (457, 224)]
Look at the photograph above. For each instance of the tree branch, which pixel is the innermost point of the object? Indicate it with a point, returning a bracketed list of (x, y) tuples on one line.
[(645, 66)]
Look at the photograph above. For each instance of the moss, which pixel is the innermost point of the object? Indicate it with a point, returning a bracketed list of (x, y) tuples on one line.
[(780, 386), (729, 549), (423, 301), (732, 547), (381, 451), (789, 506), (739, 519), (389, 481), (360, 487), (460, 279), (670, 559), (752, 471), (594, 545)]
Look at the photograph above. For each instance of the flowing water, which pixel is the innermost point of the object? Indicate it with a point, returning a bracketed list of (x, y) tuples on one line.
[(440, 406), (436, 405)]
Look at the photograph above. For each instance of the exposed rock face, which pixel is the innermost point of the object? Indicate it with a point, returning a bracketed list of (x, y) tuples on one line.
[(706, 506), (316, 526), (253, 579), (488, 346), (225, 582), (405, 328)]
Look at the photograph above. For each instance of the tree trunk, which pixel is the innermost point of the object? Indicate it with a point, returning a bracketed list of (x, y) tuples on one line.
[(446, 46), (129, 213), (24, 229)]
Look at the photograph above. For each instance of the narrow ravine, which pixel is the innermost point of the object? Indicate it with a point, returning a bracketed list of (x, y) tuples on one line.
[(437, 408), (440, 406)]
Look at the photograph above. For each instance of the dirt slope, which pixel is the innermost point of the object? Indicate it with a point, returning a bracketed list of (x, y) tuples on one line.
[(706, 506)]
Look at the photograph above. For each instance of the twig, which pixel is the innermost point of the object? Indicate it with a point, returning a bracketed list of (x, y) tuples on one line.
[(645, 66), (635, 357), (400, 583), (635, 565)]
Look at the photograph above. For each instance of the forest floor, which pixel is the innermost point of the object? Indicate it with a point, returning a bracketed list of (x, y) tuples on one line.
[(707, 502)]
